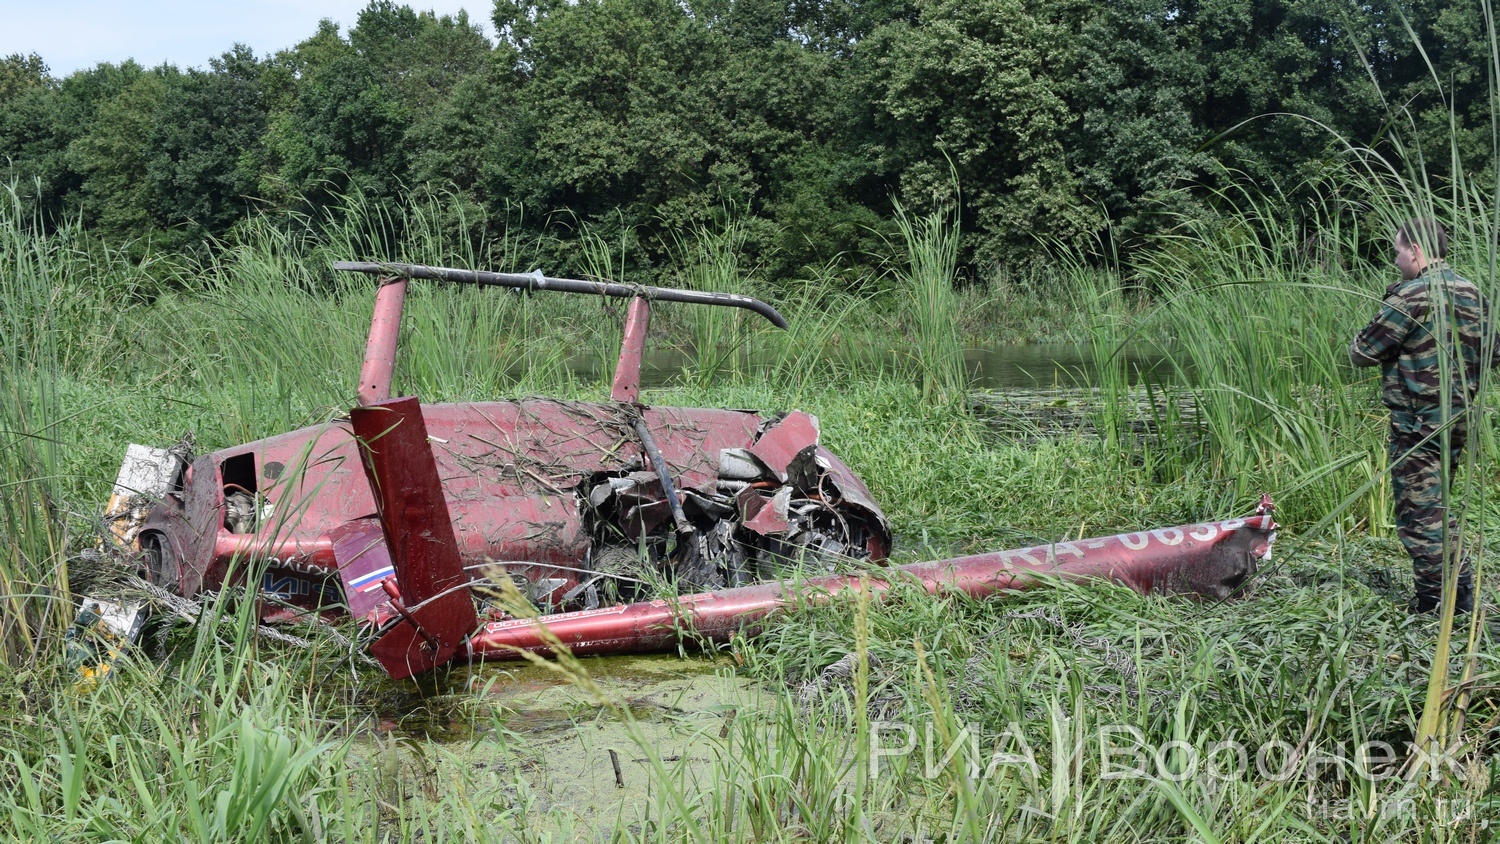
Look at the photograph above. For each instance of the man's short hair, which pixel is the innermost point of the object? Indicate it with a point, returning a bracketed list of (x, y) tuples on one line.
[(1426, 233)]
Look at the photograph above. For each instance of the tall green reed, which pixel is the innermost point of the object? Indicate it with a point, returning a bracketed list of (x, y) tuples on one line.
[(925, 291), (218, 744), (605, 261), (711, 261), (64, 299), (33, 533), (1063, 716), (269, 312), (1099, 293), (828, 335), (1259, 328)]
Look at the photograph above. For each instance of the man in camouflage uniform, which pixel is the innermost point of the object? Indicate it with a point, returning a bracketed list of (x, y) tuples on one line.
[(1428, 337)]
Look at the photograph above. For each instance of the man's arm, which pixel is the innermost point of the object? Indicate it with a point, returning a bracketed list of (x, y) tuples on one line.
[(1381, 340)]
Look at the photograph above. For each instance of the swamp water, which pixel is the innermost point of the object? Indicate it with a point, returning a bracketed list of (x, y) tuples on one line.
[(497, 723)]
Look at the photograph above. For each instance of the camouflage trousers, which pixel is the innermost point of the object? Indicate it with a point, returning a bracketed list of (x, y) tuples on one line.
[(1417, 484)]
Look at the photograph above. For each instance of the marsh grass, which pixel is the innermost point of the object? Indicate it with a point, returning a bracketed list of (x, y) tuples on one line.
[(222, 742), (1006, 706), (719, 336), (1259, 331), (233, 738), (47, 327), (929, 303), (605, 261), (1040, 677), (825, 339), (33, 567), (303, 766)]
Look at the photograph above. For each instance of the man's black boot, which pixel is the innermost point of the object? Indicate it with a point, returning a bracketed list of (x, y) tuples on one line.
[(1429, 601), (1425, 602), (1463, 602)]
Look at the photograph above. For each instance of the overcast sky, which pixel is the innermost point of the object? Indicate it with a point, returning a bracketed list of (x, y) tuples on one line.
[(74, 34)]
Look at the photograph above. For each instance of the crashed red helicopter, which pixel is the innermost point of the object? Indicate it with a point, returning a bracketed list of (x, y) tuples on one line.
[(415, 517)]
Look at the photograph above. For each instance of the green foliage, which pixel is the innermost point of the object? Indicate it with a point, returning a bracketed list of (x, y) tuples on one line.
[(1067, 122), (113, 158), (972, 83), (51, 326), (21, 73), (713, 262), (205, 141), (34, 534)]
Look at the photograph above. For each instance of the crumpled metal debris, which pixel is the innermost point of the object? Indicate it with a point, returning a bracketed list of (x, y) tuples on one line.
[(775, 505)]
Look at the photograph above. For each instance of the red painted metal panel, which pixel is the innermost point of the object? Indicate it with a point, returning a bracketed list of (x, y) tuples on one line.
[(433, 589), (316, 551), (762, 513), (690, 440), (852, 491), (782, 441), (627, 381), (508, 472), (380, 347), (186, 527)]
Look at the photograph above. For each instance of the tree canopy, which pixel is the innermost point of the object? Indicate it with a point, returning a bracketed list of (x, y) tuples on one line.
[(1050, 122)]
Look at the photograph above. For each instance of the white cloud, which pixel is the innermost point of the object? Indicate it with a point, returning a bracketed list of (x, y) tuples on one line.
[(75, 34)]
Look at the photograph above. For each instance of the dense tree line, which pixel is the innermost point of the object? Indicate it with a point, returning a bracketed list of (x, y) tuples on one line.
[(1059, 120)]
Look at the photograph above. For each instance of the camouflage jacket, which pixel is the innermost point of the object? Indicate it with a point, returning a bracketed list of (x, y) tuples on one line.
[(1405, 339)]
